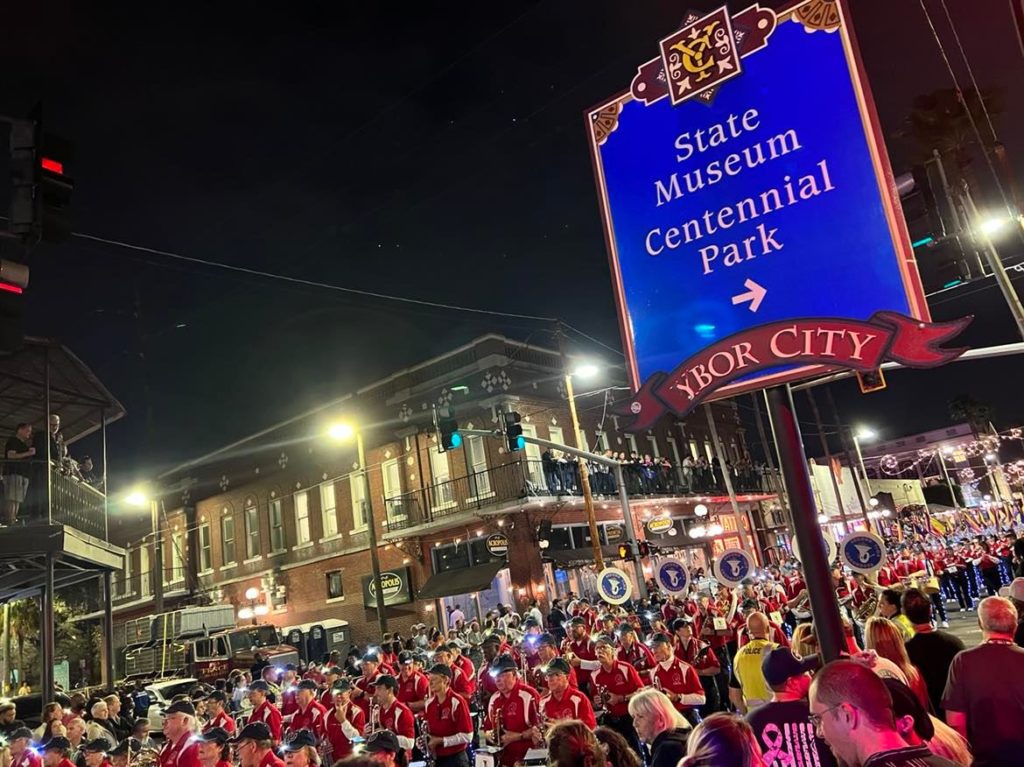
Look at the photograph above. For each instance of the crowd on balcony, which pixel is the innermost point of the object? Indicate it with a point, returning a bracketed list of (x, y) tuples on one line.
[(24, 466), (650, 475)]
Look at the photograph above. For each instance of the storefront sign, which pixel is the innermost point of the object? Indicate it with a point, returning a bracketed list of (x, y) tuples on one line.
[(614, 534), (759, 190), (659, 525), (497, 545), (863, 552), (732, 566), (613, 586), (395, 586)]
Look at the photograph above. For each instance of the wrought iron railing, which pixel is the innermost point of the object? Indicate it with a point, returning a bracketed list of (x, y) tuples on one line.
[(57, 498)]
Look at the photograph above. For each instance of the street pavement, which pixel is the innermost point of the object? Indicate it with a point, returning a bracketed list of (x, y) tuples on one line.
[(964, 625)]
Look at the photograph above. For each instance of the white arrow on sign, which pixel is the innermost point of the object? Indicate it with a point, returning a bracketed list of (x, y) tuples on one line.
[(755, 294)]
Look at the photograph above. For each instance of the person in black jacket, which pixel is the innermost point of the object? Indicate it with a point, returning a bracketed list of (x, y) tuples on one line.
[(660, 726)]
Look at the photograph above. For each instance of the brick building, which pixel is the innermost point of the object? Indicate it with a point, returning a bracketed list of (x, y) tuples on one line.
[(284, 509)]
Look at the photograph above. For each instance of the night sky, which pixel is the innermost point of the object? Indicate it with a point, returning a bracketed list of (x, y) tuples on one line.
[(434, 152)]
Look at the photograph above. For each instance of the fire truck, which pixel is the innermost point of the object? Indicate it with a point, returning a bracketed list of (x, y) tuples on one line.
[(200, 642)]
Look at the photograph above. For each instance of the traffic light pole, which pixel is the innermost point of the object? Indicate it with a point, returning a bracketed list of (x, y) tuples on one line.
[(627, 513), (588, 496), (828, 625)]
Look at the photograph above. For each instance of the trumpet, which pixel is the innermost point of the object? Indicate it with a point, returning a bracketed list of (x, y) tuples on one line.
[(496, 731)]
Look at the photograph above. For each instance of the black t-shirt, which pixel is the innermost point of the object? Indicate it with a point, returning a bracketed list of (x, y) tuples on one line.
[(16, 465), (786, 735), (911, 756), (932, 652), (987, 684)]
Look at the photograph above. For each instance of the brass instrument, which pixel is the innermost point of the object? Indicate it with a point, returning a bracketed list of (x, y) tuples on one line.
[(496, 732), (146, 757), (866, 610), (601, 700), (374, 724)]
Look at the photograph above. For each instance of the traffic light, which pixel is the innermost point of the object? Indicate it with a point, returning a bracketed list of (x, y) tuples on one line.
[(643, 548), (625, 551), (514, 432), (13, 280), (448, 428), (40, 207)]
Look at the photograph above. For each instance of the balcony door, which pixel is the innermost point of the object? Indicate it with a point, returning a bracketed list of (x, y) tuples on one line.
[(441, 495), (393, 491), (479, 479), (535, 469)]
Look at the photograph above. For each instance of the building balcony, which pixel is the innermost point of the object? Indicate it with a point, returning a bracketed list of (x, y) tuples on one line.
[(520, 482)]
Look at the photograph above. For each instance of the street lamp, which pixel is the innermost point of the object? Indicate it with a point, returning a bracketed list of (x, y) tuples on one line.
[(256, 608), (341, 431), (863, 434)]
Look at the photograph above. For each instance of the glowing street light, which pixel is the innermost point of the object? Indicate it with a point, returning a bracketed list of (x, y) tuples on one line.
[(137, 498), (585, 370), (864, 434), (252, 593), (993, 225), (341, 431), (700, 510)]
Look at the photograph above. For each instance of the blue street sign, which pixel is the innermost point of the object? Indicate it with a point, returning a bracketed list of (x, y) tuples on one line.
[(764, 198), (732, 566), (673, 576), (613, 586), (862, 552)]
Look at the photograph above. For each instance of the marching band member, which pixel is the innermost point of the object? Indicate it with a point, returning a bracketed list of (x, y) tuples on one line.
[(485, 684), (362, 691), (128, 749), (288, 704), (448, 720), (21, 754), (615, 683), (460, 684), (215, 704), (547, 650), (633, 651), (562, 700), (777, 635), (300, 749), (579, 650), (465, 665), (952, 567), (704, 661), (413, 687), (263, 710), (254, 746), (677, 679), (179, 750), (309, 714), (57, 752), (331, 675), (214, 750), (394, 715), (345, 720), (514, 708)]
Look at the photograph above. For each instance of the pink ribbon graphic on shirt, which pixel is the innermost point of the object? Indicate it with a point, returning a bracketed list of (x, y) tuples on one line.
[(772, 737)]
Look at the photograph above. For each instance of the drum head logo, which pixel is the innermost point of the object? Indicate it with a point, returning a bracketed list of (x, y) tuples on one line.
[(733, 566), (613, 586), (828, 543), (673, 577), (863, 552)]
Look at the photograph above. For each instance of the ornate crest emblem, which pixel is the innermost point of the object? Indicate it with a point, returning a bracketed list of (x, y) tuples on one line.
[(700, 56)]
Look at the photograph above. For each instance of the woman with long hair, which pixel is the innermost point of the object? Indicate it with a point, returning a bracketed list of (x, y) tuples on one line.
[(723, 739), (572, 744), (803, 642), (886, 639)]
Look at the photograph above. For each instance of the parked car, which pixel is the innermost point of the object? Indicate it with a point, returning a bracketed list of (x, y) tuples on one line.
[(160, 694)]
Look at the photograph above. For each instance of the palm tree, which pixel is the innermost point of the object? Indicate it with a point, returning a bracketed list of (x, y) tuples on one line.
[(24, 622), (964, 408)]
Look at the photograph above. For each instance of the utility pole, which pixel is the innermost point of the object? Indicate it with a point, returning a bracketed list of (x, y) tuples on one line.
[(828, 458), (588, 497), (371, 530)]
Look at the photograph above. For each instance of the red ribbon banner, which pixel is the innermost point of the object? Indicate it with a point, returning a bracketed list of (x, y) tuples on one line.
[(840, 343)]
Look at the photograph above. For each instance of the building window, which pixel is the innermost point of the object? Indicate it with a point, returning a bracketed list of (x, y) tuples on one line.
[(227, 539), (655, 450), (205, 549), (252, 531), (358, 488), (392, 476), (145, 572), (276, 526), (694, 452), (603, 441), (480, 480), (335, 586), (710, 452), (329, 509), (177, 557), (124, 583), (631, 441), (302, 518), (536, 469)]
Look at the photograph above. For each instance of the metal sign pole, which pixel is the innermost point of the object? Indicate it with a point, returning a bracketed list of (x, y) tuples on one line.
[(828, 625)]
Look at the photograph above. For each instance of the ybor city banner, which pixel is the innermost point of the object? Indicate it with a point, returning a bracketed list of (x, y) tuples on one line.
[(861, 345)]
